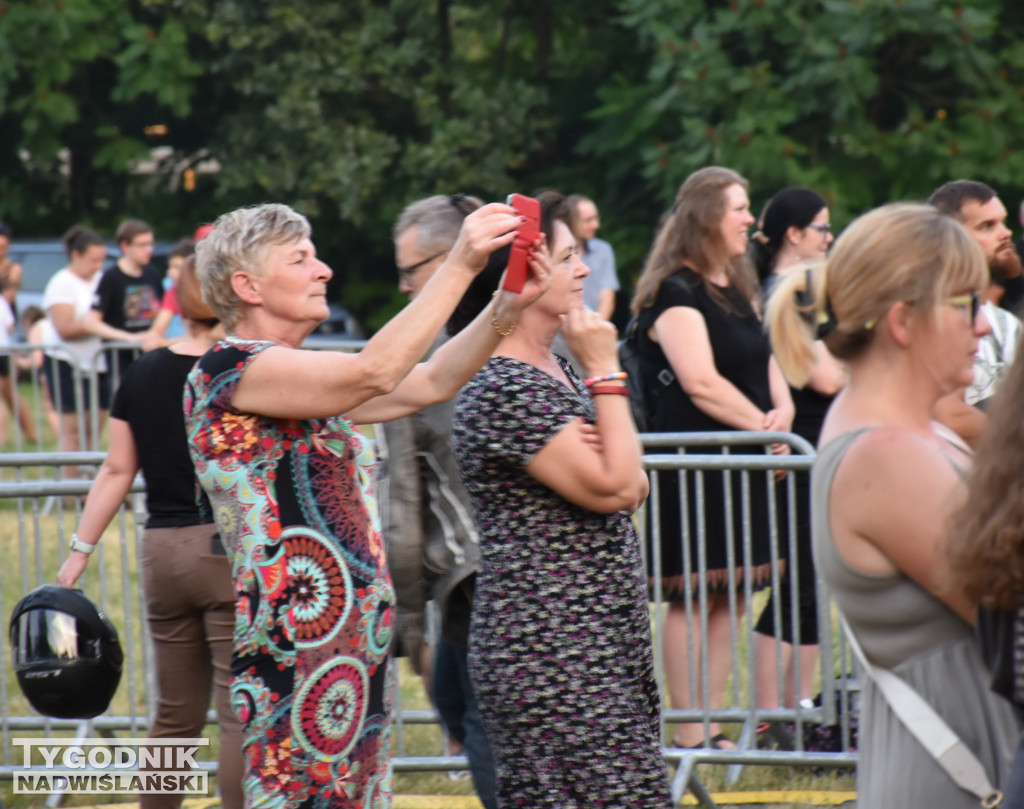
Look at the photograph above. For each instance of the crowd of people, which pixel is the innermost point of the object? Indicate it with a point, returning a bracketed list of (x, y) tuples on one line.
[(503, 484)]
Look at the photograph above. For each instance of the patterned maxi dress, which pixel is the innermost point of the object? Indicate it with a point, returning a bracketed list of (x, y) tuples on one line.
[(294, 503), (560, 643)]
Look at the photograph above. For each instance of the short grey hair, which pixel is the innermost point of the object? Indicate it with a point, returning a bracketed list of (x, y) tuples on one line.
[(437, 219), (239, 241)]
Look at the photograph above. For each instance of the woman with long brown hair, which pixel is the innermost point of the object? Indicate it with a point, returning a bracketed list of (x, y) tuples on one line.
[(700, 333), (899, 293)]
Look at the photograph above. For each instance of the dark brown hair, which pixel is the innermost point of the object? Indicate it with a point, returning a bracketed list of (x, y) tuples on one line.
[(80, 238), (129, 229), (552, 209)]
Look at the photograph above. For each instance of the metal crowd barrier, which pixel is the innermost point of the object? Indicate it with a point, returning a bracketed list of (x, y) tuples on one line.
[(727, 454), (31, 401), (29, 481)]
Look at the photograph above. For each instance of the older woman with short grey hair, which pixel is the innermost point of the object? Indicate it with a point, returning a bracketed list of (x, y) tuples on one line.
[(290, 479)]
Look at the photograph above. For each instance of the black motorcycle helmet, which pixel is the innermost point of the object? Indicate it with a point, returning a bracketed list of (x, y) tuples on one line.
[(67, 656)]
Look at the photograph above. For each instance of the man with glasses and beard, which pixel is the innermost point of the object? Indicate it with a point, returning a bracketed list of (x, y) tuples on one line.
[(981, 212)]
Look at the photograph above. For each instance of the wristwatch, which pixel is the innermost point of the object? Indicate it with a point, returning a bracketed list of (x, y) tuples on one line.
[(77, 545)]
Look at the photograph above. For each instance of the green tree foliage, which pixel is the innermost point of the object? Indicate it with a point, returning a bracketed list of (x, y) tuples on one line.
[(348, 110), (867, 100), (345, 110)]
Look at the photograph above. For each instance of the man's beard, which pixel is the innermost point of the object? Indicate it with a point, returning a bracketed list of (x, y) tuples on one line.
[(1005, 264)]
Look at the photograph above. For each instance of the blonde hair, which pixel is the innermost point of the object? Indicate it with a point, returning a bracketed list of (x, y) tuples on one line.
[(690, 235), (899, 252), (239, 242)]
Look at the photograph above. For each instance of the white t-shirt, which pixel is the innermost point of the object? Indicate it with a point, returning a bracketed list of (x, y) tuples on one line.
[(995, 353), (66, 287)]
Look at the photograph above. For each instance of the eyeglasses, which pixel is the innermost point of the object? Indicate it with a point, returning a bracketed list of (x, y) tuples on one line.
[(972, 300), (406, 272), (822, 229)]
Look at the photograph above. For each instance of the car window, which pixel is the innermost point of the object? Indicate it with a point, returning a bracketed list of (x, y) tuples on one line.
[(38, 268)]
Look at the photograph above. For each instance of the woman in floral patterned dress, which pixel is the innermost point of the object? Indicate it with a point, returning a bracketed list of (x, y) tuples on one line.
[(290, 482), (560, 643)]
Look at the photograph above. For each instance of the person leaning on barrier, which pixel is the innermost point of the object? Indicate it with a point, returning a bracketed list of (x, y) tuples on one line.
[(432, 541), (699, 329), (560, 644), (190, 601), (794, 230), (129, 293), (74, 364), (897, 300), (291, 481)]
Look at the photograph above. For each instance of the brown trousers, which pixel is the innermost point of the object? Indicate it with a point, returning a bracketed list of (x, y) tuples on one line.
[(190, 601)]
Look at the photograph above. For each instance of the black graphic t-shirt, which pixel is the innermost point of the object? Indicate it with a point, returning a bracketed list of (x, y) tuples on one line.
[(128, 303)]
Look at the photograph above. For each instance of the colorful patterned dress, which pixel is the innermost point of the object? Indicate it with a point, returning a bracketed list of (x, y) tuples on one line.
[(294, 503), (560, 644)]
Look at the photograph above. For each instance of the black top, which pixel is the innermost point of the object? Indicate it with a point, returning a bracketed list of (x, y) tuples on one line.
[(129, 303), (150, 400), (738, 343)]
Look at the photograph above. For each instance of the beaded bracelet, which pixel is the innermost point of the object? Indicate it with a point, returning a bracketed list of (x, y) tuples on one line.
[(606, 378), (597, 390), (494, 320)]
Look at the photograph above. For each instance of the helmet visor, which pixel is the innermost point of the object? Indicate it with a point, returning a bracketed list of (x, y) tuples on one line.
[(45, 635)]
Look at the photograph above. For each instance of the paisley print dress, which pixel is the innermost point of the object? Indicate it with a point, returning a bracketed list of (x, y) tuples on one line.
[(560, 644), (294, 503)]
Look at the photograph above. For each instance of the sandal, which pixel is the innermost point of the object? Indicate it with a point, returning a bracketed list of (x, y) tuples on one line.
[(715, 743)]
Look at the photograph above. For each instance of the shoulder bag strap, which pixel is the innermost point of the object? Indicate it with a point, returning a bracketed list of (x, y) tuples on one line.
[(929, 729)]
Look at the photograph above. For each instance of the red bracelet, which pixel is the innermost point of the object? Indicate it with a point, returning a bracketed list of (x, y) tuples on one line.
[(596, 390)]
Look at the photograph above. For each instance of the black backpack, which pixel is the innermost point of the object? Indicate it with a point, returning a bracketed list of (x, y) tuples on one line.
[(640, 401)]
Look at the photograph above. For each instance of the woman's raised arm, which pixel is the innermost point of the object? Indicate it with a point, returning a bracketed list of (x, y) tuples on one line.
[(294, 383)]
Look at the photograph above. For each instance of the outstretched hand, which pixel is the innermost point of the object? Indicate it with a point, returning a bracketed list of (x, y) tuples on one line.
[(485, 230), (538, 281)]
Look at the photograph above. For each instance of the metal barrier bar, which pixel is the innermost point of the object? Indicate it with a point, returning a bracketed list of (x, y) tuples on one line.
[(30, 381)]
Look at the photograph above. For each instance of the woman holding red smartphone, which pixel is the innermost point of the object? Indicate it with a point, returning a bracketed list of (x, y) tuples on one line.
[(560, 643)]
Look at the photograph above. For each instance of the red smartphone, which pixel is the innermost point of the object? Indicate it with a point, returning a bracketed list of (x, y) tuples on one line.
[(526, 235)]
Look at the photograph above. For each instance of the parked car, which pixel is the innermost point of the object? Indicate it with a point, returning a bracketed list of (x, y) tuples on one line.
[(339, 326), (41, 258)]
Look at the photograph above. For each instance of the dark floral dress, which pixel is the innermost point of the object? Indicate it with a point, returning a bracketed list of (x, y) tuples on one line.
[(294, 503), (560, 645)]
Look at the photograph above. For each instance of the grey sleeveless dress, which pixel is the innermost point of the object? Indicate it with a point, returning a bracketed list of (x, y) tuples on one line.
[(904, 628)]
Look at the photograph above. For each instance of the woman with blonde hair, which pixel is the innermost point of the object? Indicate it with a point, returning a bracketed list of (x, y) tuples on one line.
[(706, 366), (292, 486), (795, 229), (897, 301)]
